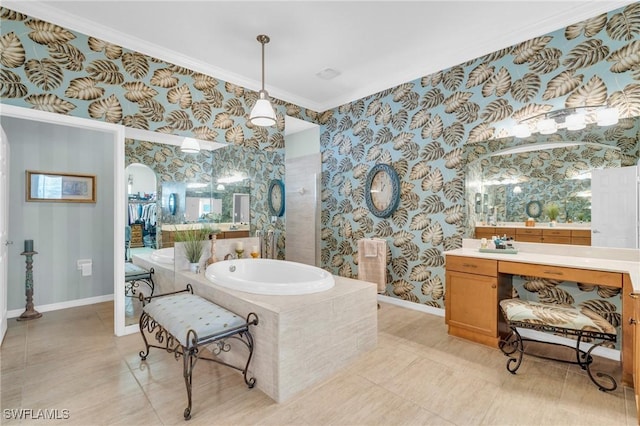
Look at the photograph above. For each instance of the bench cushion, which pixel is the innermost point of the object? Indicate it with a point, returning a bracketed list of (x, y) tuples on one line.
[(558, 316), (180, 313)]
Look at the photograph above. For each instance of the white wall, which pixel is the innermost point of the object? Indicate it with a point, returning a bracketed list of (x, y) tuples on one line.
[(303, 165), (144, 179), (62, 232), (302, 209), (302, 143)]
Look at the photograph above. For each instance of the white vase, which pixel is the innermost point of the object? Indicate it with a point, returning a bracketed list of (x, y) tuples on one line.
[(194, 267)]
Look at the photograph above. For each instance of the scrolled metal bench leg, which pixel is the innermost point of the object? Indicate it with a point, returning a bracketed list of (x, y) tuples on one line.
[(187, 366), (144, 323), (189, 359), (612, 382), (511, 345)]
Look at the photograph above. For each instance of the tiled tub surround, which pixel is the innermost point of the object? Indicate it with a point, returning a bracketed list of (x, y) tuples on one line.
[(299, 340)]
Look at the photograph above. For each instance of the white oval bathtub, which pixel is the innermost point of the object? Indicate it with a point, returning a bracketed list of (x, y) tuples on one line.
[(268, 276), (164, 255)]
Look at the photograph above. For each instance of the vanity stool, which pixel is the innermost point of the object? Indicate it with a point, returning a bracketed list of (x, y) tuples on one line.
[(133, 276), (183, 323), (565, 320)]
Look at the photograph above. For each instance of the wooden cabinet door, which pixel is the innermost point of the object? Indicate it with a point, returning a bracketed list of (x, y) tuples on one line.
[(529, 235), (556, 236), (473, 302), (636, 353), (485, 232)]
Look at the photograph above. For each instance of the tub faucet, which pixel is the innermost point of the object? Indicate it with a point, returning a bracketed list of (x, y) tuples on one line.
[(229, 256)]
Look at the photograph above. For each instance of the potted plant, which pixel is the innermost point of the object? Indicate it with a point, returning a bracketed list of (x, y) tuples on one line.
[(553, 211), (194, 242)]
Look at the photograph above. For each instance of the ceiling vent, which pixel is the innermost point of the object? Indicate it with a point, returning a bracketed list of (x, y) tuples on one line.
[(328, 73)]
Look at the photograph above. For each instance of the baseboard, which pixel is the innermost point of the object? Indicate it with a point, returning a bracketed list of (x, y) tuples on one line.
[(411, 305), (613, 354), (63, 305)]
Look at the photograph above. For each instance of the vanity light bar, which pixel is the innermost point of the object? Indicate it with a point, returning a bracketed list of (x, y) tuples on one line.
[(572, 119), (231, 179)]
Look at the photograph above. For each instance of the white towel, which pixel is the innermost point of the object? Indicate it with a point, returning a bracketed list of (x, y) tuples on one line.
[(373, 268)]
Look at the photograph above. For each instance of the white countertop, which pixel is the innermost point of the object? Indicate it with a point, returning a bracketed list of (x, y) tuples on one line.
[(539, 225), (223, 227), (581, 257)]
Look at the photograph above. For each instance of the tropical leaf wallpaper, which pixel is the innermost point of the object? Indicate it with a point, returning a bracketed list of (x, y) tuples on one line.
[(172, 165), (603, 300), (423, 128), (420, 127)]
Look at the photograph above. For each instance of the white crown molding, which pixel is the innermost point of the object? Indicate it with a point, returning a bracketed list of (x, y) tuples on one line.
[(45, 12), (582, 10)]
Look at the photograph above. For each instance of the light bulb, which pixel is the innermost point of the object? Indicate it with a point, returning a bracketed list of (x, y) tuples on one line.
[(547, 126), (576, 121), (607, 117), (521, 131)]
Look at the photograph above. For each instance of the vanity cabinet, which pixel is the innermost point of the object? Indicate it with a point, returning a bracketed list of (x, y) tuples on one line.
[(556, 236), (498, 231), (580, 237), (472, 297), (233, 234), (529, 235), (169, 237), (636, 350)]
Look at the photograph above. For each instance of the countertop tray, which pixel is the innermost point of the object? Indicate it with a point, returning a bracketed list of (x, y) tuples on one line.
[(503, 251)]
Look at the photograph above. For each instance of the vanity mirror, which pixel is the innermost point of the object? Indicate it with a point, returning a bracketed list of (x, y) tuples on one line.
[(521, 176)]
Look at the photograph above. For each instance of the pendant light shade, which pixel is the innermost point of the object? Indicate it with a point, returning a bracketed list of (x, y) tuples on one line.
[(262, 113), (190, 146)]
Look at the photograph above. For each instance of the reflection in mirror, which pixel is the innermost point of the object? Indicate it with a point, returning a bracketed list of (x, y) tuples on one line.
[(512, 172), (140, 234), (240, 208), (560, 175)]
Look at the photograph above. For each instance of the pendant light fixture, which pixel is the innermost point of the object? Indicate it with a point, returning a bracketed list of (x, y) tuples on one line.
[(190, 146), (262, 113)]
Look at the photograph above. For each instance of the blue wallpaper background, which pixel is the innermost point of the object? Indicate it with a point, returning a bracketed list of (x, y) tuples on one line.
[(419, 127)]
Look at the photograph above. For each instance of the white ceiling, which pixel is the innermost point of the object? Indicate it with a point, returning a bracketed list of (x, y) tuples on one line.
[(373, 44)]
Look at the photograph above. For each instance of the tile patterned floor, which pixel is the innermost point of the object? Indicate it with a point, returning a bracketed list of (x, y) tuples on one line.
[(70, 360)]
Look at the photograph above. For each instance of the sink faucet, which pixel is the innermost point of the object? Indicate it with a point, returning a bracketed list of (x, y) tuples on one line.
[(229, 256)]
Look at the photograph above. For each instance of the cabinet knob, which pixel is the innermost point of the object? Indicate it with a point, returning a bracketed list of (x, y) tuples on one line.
[(632, 321), (494, 286), (634, 295)]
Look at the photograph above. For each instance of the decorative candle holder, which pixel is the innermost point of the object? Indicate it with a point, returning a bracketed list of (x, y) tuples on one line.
[(29, 312), (212, 259), (239, 253), (255, 254)]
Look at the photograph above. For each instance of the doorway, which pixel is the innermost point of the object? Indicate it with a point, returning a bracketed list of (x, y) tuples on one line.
[(65, 233)]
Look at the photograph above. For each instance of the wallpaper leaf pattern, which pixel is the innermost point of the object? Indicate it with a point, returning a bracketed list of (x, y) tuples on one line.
[(474, 104), (419, 127)]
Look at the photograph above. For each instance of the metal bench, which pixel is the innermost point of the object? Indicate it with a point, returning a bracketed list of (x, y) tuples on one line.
[(582, 323), (183, 323), (134, 275)]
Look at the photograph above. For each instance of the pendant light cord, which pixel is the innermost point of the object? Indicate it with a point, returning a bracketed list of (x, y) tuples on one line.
[(263, 39)]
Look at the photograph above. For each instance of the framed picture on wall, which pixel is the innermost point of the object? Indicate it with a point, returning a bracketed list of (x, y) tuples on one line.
[(60, 187)]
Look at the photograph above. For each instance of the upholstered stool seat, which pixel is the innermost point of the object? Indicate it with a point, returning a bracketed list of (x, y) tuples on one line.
[(184, 323), (582, 322), (183, 312)]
